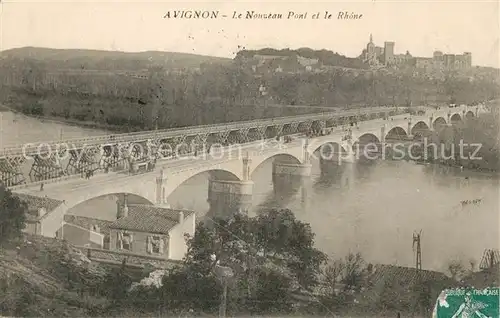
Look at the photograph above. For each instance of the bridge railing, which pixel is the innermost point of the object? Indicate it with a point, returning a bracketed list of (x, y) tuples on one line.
[(173, 132), (161, 163), (175, 164)]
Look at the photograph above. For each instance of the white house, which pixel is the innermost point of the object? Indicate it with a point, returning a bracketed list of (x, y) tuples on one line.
[(151, 230)]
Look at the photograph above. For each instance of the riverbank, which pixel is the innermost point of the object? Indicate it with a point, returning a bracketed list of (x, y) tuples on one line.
[(461, 172), (77, 123), (69, 122)]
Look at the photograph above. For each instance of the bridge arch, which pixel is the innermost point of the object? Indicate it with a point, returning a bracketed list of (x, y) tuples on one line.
[(455, 118), (174, 181), (396, 133), (469, 114), (330, 149), (134, 198), (438, 122), (366, 139), (419, 128), (278, 158)]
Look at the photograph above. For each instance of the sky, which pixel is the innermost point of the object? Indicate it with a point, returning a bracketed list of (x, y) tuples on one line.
[(420, 27)]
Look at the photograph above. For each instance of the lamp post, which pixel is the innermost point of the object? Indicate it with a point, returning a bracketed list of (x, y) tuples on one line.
[(224, 274)]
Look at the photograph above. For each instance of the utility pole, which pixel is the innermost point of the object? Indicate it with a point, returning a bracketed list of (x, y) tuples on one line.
[(418, 250)]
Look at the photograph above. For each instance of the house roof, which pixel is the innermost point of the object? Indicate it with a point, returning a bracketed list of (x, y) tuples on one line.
[(408, 274), (149, 218), (87, 222), (401, 280), (35, 203)]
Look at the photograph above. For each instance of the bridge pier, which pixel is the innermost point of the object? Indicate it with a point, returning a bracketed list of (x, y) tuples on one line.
[(289, 178), (409, 134), (227, 198), (382, 134)]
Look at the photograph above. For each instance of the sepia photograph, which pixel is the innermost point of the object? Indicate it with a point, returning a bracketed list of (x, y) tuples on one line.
[(247, 158)]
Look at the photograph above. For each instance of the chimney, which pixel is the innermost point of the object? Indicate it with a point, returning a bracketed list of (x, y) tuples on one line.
[(41, 212), (181, 217), (369, 268), (121, 209), (96, 228), (125, 210), (118, 209)]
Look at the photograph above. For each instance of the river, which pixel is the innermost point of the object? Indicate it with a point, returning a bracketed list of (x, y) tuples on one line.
[(16, 128), (369, 208)]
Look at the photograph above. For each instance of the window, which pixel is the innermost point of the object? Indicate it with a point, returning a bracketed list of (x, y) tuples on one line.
[(127, 241), (155, 245), (124, 241), (106, 242)]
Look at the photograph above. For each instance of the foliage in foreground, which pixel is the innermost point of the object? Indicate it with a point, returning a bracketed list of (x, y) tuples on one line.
[(12, 215), (272, 257), (276, 269)]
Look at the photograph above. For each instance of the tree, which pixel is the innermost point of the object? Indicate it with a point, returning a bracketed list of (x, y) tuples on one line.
[(268, 254), (456, 269), (353, 271), (187, 288), (117, 283), (272, 292), (332, 275), (290, 240), (12, 215), (422, 290)]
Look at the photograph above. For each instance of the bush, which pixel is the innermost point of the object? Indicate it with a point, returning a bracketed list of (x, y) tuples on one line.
[(12, 215)]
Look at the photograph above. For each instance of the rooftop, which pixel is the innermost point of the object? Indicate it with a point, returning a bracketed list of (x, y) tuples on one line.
[(149, 219), (409, 275), (35, 203), (87, 222)]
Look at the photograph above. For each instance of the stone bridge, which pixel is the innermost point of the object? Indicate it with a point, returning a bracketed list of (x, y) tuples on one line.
[(230, 166)]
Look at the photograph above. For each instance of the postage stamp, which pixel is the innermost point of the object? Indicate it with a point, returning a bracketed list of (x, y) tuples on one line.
[(467, 302)]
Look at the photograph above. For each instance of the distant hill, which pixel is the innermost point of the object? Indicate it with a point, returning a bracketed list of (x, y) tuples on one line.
[(324, 57), (109, 60)]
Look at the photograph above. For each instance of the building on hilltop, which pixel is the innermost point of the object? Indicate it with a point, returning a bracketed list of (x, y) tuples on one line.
[(372, 54), (151, 230), (377, 56), (289, 64)]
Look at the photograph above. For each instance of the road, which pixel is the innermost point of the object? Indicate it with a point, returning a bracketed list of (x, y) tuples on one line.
[(170, 133)]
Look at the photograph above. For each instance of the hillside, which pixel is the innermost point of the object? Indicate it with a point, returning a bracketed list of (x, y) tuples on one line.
[(138, 91), (323, 57), (34, 280), (46, 277), (108, 60)]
